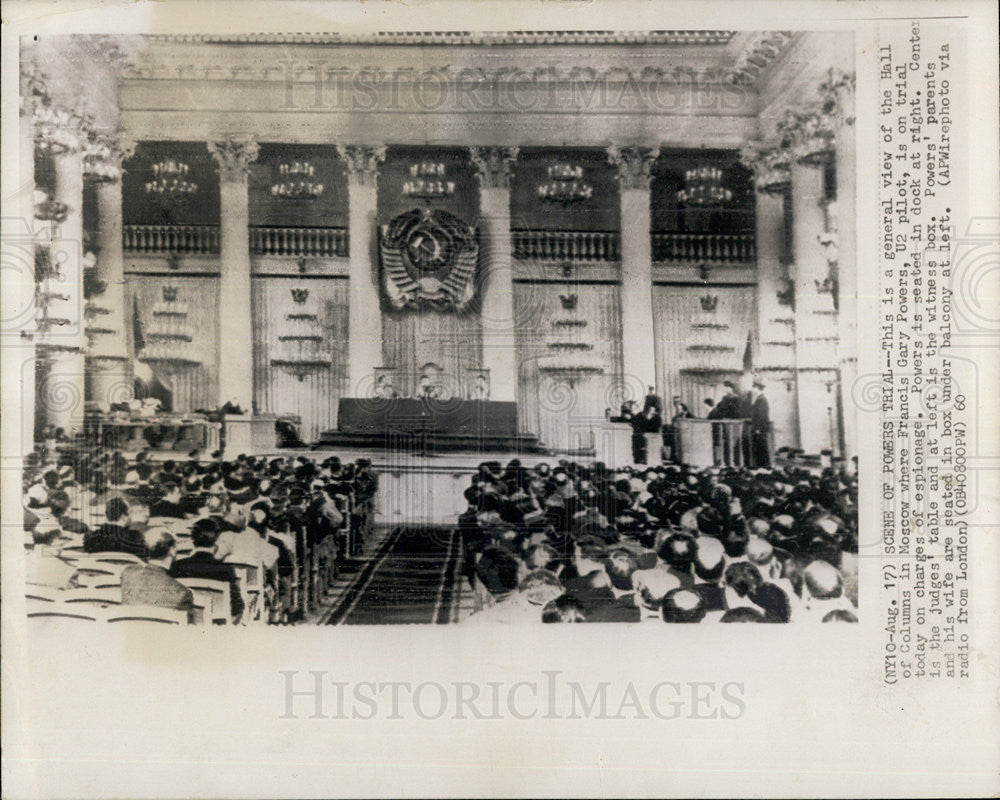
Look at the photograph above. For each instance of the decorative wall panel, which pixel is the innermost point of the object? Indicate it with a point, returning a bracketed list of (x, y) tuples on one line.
[(413, 338), (700, 340), (300, 349), (569, 360), (172, 324)]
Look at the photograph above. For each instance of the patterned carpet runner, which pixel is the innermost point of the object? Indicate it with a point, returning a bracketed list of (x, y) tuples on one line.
[(414, 577)]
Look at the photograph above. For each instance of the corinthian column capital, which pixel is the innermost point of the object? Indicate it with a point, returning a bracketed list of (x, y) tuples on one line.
[(634, 165), (362, 162), (235, 157), (493, 165)]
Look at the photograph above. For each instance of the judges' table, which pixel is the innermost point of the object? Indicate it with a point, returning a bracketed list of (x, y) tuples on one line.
[(480, 418)]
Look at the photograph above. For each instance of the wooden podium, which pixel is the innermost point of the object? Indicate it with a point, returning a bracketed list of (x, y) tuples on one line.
[(613, 444)]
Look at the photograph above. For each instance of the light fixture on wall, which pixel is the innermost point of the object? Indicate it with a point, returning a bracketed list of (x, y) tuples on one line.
[(703, 187), (170, 181), (295, 182)]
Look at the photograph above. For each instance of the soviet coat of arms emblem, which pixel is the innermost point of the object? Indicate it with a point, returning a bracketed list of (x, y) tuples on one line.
[(428, 257)]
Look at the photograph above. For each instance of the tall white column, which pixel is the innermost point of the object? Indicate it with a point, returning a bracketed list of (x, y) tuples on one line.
[(109, 378), (638, 353), (815, 318), (61, 395), (364, 313), (17, 301), (775, 356), (493, 168), (235, 320), (847, 266)]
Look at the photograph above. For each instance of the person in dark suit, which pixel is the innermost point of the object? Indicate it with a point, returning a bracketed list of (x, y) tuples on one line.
[(760, 426), (115, 535), (170, 504), (202, 563), (151, 584)]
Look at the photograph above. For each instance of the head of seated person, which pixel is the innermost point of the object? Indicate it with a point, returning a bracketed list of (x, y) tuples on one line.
[(162, 546), (540, 587), (826, 548), (116, 511), (564, 609), (541, 556), (773, 601), (822, 581), (498, 570), (652, 585), (620, 565), (710, 521), (678, 552), (840, 615), (760, 552), (735, 538), (743, 614), (138, 514), (589, 554), (59, 503), (742, 578), (205, 534), (509, 538), (709, 561), (683, 605), (45, 533)]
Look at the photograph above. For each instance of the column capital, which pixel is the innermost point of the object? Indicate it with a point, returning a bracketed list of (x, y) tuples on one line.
[(493, 165), (634, 165), (362, 162), (234, 157)]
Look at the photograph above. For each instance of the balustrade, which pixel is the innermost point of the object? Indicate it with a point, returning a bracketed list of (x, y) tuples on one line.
[(716, 248), (320, 242), (566, 245), (170, 238)]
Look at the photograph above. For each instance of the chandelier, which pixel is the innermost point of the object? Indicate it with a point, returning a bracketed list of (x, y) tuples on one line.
[(565, 185), (703, 187), (295, 182), (170, 181)]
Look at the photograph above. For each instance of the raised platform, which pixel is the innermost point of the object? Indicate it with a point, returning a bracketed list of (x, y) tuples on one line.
[(429, 426)]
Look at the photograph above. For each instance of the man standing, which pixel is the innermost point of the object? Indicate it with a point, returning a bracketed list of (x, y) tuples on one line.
[(760, 426)]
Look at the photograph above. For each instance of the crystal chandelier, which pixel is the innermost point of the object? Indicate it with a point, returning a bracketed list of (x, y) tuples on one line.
[(703, 187), (295, 182), (565, 185), (170, 181)]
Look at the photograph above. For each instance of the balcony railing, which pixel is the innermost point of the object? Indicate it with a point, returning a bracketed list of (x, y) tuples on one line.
[(170, 238), (566, 245), (713, 248), (321, 242)]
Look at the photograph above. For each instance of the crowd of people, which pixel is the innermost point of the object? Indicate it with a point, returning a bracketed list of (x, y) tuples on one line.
[(275, 529), (582, 543)]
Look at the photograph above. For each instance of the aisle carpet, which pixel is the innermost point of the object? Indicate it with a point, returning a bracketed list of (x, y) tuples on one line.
[(414, 577)]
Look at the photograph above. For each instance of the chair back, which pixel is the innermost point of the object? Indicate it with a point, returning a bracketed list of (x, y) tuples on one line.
[(92, 596), (147, 614), (213, 597)]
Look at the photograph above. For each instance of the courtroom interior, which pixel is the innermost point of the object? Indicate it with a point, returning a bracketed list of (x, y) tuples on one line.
[(444, 326)]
